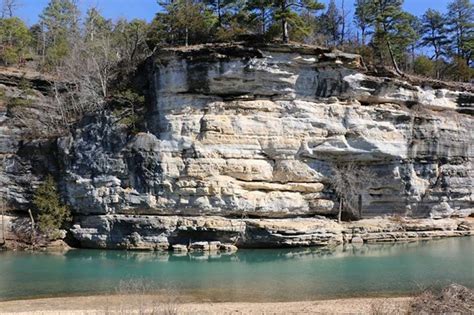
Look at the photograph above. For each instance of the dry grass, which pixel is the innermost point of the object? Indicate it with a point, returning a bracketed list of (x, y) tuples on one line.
[(144, 302), (454, 299), (386, 307)]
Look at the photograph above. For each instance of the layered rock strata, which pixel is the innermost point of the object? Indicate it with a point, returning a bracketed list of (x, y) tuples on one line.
[(250, 138), (179, 233)]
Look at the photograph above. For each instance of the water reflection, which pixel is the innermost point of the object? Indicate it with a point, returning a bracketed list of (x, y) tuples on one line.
[(263, 255)]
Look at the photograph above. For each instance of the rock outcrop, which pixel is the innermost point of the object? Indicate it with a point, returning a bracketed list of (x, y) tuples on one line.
[(238, 140)]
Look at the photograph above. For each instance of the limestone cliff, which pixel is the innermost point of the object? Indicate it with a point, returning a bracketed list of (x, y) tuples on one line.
[(239, 144)]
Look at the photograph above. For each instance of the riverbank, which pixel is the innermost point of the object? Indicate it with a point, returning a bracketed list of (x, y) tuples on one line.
[(128, 304), (453, 299)]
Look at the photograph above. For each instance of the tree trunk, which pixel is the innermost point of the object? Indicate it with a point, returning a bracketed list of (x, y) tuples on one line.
[(3, 226), (43, 48), (219, 14), (33, 234), (284, 25), (186, 37), (360, 206), (392, 57), (339, 214), (343, 24)]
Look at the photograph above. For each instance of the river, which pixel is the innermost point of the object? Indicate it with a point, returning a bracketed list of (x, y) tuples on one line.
[(248, 275)]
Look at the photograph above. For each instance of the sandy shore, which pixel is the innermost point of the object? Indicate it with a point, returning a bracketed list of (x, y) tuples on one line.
[(139, 304)]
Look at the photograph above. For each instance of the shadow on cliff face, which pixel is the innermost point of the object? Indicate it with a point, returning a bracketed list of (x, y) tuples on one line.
[(466, 103)]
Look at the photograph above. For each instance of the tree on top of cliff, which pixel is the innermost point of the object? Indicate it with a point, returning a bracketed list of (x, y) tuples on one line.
[(331, 22), (363, 17), (461, 24), (435, 34), (260, 12), (14, 40), (393, 31), (60, 23), (9, 7), (184, 22), (286, 12)]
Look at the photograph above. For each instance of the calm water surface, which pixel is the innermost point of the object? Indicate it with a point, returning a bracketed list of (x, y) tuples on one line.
[(249, 275)]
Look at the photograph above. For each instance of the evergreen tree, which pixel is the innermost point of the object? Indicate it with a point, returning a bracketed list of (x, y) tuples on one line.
[(286, 12), (262, 12), (416, 35), (15, 39), (184, 22), (434, 32), (461, 23), (96, 25), (60, 22), (51, 213), (393, 31), (236, 20), (435, 35), (331, 23), (364, 17)]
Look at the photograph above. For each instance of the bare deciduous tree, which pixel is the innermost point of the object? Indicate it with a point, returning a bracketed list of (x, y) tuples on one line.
[(9, 7), (348, 180)]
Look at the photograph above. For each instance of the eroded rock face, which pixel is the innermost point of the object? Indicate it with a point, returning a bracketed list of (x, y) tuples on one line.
[(26, 156), (237, 132), (257, 132)]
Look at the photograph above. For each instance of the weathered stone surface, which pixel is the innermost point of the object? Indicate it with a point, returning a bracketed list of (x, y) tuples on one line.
[(236, 132), (256, 132), (229, 248), (216, 233)]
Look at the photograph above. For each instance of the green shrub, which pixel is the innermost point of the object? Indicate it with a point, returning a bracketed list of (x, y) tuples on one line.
[(19, 101), (127, 106), (51, 213), (424, 66)]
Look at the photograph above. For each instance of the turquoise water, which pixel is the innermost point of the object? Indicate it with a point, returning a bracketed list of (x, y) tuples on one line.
[(249, 275)]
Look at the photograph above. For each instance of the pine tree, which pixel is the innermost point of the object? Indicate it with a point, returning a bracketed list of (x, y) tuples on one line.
[(364, 17), (184, 22), (51, 213), (96, 25), (286, 12), (331, 23), (262, 10), (60, 23), (236, 20), (435, 34), (15, 39), (461, 23), (393, 31)]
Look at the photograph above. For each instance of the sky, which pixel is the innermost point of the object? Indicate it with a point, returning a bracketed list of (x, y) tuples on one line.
[(146, 9)]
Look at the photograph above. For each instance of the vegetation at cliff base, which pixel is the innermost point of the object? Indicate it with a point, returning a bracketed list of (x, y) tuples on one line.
[(50, 212)]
